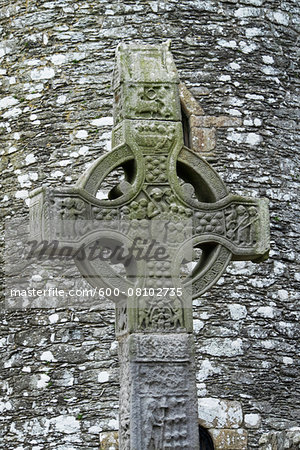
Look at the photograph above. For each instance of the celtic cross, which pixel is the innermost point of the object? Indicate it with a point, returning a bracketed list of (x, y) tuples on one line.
[(170, 208)]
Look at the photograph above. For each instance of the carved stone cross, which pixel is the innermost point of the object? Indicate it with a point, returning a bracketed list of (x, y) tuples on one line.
[(170, 203)]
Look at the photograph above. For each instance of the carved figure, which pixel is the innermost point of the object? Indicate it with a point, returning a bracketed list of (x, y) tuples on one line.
[(71, 209), (152, 103), (155, 425)]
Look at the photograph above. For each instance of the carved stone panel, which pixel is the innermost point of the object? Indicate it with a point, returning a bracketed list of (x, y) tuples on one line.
[(161, 376)]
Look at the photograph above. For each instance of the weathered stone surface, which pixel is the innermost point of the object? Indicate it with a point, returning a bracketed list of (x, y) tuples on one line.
[(216, 413), (157, 392), (210, 41), (217, 122), (109, 441), (189, 104), (229, 439), (288, 439), (69, 353), (223, 347), (252, 420), (203, 139), (32, 338)]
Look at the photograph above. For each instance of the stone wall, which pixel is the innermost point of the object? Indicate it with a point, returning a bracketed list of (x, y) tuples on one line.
[(288, 439), (59, 367)]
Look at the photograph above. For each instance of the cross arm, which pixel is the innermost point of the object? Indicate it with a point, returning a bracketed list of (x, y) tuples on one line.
[(240, 224), (67, 215)]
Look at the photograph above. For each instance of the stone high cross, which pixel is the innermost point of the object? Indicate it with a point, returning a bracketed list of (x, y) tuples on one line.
[(169, 195)]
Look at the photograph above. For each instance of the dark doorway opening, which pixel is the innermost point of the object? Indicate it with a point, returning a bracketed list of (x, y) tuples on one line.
[(185, 128), (206, 442)]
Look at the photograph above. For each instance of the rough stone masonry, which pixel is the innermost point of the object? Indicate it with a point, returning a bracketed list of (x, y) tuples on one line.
[(239, 59)]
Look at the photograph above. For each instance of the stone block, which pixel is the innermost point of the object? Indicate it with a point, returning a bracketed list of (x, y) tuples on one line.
[(156, 101), (237, 311), (216, 122), (287, 439), (223, 347), (70, 353), (218, 413), (188, 102), (252, 420), (146, 64), (226, 439), (32, 338), (203, 139), (63, 377), (109, 440)]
